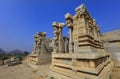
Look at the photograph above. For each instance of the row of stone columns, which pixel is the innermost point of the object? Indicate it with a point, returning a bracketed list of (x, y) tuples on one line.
[(58, 47)]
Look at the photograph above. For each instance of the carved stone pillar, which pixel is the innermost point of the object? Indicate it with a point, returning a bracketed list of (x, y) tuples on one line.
[(56, 37), (39, 41), (61, 49), (69, 24), (43, 47), (71, 40), (66, 45)]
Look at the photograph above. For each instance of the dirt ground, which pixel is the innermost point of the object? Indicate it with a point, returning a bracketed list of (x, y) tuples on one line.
[(23, 72)]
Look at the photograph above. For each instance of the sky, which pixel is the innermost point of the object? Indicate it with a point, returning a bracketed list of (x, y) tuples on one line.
[(21, 19)]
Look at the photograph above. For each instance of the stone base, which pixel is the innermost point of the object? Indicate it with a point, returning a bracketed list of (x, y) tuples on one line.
[(81, 66), (34, 61), (59, 73), (44, 58)]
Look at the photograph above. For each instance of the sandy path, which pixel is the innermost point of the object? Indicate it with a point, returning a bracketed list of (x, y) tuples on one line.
[(22, 72)]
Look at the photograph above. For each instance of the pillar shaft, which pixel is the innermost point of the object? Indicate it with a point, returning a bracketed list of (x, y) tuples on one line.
[(70, 41), (60, 40)]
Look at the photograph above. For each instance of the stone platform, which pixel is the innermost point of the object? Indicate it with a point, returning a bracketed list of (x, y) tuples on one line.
[(74, 66)]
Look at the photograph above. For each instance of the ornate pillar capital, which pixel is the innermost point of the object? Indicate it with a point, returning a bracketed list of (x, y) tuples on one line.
[(69, 20)]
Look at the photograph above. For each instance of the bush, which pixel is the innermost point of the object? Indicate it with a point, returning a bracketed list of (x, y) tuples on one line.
[(3, 57)]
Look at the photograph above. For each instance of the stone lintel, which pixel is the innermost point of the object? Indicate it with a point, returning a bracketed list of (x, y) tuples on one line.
[(61, 25), (57, 24), (68, 16), (41, 33)]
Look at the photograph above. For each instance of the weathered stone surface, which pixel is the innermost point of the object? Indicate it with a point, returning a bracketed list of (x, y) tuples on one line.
[(86, 58), (58, 39), (112, 45), (42, 50)]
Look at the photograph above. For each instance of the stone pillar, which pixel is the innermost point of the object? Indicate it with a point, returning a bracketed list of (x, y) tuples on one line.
[(60, 44), (56, 37), (71, 40), (69, 24), (43, 47), (39, 41), (66, 45)]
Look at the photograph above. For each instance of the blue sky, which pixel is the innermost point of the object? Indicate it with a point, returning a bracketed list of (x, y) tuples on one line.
[(21, 19)]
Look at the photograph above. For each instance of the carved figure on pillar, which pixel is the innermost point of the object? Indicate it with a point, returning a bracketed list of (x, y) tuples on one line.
[(66, 44)]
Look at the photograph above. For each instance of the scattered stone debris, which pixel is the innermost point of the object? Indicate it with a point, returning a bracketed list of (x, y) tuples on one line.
[(12, 61)]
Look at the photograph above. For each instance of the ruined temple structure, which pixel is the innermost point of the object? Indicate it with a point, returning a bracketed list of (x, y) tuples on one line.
[(85, 57), (42, 51)]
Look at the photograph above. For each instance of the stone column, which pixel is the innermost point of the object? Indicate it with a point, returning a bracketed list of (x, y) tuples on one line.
[(66, 45), (60, 44), (71, 40), (69, 24), (43, 47), (39, 41), (56, 37)]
